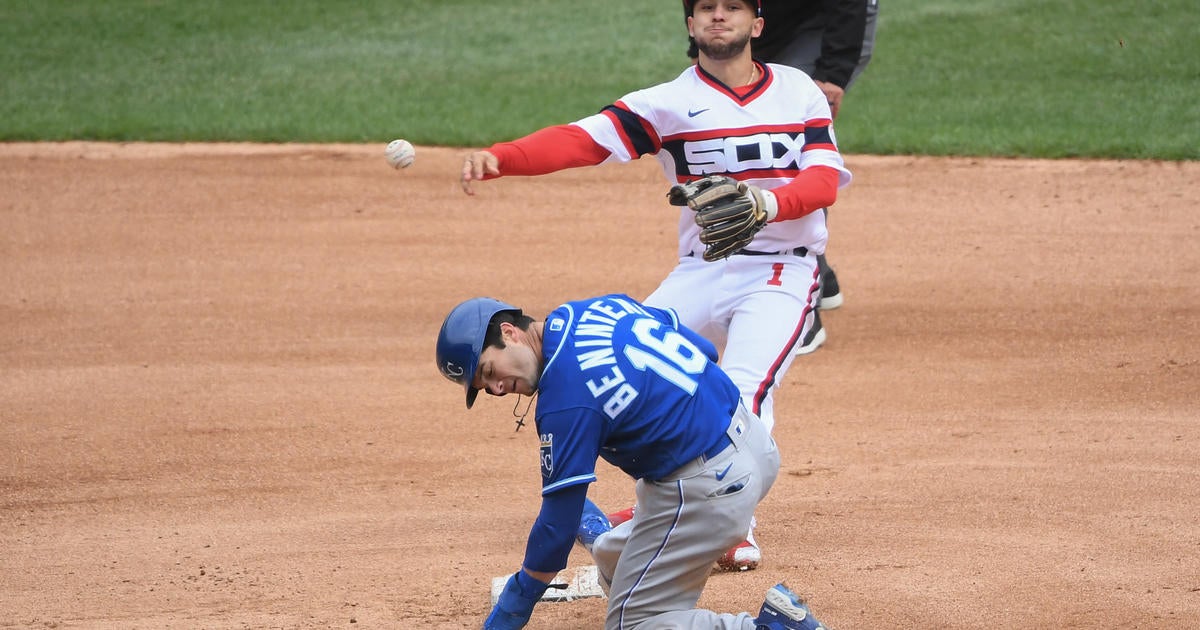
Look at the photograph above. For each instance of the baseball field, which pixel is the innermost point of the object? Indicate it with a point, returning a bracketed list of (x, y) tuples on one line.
[(218, 400)]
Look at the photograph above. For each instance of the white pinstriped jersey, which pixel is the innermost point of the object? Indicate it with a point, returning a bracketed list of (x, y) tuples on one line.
[(695, 126)]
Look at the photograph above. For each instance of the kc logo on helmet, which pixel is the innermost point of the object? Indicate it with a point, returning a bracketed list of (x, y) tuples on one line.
[(451, 370), (744, 153)]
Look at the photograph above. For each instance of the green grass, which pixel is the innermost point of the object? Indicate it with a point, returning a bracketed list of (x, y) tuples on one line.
[(1031, 78), (967, 77)]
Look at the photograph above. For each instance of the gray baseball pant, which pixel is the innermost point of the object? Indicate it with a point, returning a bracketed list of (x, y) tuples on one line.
[(654, 566)]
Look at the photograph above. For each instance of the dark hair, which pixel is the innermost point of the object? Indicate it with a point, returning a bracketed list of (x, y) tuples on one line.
[(493, 336)]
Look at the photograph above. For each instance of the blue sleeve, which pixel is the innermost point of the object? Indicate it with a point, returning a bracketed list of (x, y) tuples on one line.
[(553, 533), (570, 445), (668, 316)]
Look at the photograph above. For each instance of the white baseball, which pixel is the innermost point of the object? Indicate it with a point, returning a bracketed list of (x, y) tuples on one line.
[(400, 153)]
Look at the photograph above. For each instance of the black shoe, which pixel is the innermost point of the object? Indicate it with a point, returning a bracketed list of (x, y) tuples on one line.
[(815, 336), (831, 293)]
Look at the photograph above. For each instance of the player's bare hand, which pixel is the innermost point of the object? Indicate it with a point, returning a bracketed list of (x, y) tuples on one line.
[(833, 95), (475, 167)]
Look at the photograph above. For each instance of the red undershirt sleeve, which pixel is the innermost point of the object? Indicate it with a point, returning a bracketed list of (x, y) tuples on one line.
[(814, 188), (548, 150)]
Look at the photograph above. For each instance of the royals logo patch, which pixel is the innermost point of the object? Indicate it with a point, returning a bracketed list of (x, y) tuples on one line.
[(547, 452)]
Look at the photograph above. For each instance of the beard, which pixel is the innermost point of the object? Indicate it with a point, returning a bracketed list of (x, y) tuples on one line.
[(723, 51)]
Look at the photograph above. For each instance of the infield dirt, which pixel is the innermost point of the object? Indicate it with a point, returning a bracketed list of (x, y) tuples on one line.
[(219, 406)]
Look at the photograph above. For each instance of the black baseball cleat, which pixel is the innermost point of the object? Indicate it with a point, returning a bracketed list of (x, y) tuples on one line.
[(831, 293), (815, 336)]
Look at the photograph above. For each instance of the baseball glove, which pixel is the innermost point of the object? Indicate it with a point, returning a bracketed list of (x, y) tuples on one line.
[(730, 213)]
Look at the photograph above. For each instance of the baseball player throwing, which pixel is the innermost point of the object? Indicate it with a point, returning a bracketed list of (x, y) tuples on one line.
[(766, 128), (832, 41), (628, 383)]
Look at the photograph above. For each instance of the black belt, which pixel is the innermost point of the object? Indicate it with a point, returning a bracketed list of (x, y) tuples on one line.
[(799, 251), (723, 443)]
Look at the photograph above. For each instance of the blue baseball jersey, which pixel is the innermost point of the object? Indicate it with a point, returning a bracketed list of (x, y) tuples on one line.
[(628, 383)]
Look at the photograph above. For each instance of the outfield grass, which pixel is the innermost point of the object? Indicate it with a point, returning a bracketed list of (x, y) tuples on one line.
[(1032, 78), (968, 77)]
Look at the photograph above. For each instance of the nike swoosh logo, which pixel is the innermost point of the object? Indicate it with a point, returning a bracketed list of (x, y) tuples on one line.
[(721, 475), (692, 113)]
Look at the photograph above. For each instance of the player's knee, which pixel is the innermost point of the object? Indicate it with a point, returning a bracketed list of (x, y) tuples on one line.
[(606, 551)]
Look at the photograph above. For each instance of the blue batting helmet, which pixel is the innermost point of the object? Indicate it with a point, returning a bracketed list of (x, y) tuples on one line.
[(461, 340)]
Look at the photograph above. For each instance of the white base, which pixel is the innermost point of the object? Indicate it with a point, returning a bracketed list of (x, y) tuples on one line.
[(581, 583)]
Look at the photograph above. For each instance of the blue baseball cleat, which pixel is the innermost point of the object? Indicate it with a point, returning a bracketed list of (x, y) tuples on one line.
[(591, 525), (784, 610)]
